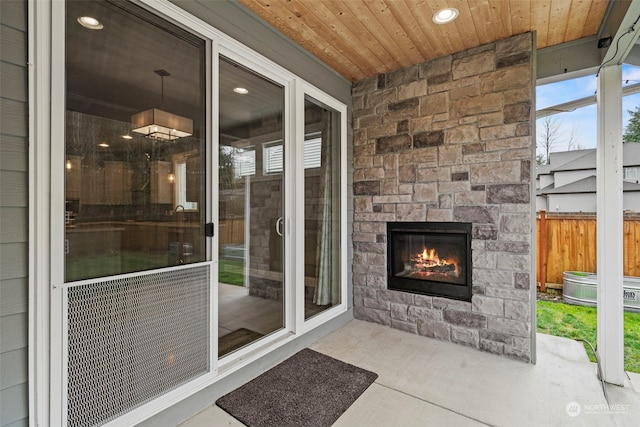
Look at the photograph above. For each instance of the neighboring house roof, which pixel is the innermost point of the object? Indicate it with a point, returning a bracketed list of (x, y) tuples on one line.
[(560, 158), (543, 169), (587, 159), (584, 185)]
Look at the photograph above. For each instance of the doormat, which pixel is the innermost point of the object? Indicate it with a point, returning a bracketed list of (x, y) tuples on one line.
[(309, 389), (236, 339)]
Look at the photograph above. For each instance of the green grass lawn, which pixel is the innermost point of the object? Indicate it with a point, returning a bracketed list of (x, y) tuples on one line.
[(231, 272), (577, 322)]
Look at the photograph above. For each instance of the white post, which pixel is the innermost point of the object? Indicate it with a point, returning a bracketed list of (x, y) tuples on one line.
[(609, 225)]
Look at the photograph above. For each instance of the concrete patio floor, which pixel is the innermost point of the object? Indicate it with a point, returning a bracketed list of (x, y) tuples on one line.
[(425, 382)]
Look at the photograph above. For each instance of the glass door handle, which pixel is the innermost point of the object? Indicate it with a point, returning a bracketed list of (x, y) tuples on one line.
[(279, 223)]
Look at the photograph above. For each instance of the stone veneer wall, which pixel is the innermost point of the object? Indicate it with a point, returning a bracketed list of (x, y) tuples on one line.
[(450, 140)]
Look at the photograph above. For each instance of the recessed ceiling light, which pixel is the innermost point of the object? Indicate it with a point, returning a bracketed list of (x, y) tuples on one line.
[(445, 16), (103, 145), (241, 90), (127, 137), (90, 23)]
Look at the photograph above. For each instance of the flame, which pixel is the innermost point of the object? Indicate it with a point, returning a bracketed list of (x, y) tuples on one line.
[(429, 258)]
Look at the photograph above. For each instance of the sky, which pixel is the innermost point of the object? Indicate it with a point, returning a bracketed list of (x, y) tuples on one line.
[(583, 120)]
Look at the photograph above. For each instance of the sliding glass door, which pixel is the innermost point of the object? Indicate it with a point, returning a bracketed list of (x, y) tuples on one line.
[(251, 287), (322, 206)]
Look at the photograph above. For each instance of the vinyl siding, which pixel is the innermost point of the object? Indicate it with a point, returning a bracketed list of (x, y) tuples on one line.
[(13, 214)]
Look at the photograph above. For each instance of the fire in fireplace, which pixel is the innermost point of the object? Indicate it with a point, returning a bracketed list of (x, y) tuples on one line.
[(431, 258)]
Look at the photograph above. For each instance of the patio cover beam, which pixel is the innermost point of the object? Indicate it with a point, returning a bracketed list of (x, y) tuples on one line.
[(610, 323), (609, 225)]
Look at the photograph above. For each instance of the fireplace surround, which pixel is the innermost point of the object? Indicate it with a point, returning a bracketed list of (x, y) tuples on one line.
[(430, 258), (451, 140)]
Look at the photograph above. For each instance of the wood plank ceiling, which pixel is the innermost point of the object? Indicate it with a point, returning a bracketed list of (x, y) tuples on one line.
[(361, 38)]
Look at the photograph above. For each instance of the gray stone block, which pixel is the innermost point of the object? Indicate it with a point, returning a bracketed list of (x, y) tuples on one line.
[(425, 313), (468, 337), (404, 104), (393, 143), (428, 139), (404, 326), (491, 347), (497, 337), (434, 329), (402, 76), (372, 315), (476, 214), (463, 318), (513, 247), (515, 223), (440, 302), (518, 310), (508, 193), (509, 326), (522, 280), (423, 301), (377, 304), (511, 60), (517, 353), (396, 296), (399, 311), (488, 305), (366, 188)]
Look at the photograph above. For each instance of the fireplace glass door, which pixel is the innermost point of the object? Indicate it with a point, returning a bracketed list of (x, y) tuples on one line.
[(430, 258)]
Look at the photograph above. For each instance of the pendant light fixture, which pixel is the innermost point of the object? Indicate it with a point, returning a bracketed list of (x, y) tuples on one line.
[(159, 124)]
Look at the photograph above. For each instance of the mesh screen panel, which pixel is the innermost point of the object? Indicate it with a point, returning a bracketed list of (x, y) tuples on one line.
[(133, 339)]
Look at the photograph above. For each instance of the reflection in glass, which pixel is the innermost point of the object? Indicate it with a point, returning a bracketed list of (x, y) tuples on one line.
[(251, 291), (321, 207), (132, 202)]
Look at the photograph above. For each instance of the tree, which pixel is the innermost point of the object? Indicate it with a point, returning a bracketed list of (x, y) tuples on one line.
[(573, 140), (549, 135), (632, 131)]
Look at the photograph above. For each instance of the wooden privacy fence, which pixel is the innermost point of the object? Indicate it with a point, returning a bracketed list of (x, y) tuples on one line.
[(231, 231), (567, 242)]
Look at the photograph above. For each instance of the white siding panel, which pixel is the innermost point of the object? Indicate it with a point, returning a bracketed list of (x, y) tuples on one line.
[(13, 225), (13, 189), (13, 259), (14, 406), (13, 45), (13, 120), (14, 153), (13, 14), (13, 332), (14, 160), (13, 368), (12, 85), (13, 296)]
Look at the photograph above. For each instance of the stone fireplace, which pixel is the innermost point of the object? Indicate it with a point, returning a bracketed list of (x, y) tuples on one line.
[(430, 258), (449, 141)]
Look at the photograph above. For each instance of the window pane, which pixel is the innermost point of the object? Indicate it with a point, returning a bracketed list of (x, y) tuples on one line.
[(321, 207), (251, 217), (133, 144)]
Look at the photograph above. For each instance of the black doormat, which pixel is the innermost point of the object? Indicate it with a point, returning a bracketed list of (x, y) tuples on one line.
[(309, 389), (236, 339)]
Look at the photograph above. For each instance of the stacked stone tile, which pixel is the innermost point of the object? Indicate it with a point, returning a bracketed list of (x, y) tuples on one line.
[(450, 140)]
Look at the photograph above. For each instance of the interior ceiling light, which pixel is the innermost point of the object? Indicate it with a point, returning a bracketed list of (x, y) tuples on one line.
[(158, 124), (103, 145), (444, 16), (127, 137), (90, 23), (240, 90)]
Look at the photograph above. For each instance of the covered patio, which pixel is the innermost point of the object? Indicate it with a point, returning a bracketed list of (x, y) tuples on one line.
[(420, 122), (425, 382)]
